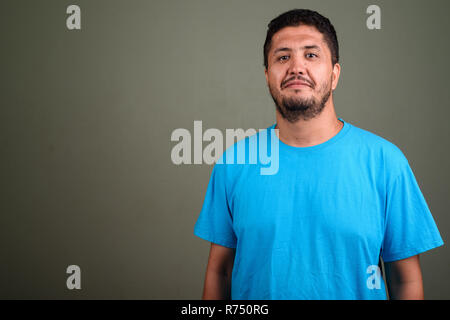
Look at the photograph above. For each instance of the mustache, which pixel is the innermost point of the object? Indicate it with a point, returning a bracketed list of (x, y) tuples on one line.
[(283, 84)]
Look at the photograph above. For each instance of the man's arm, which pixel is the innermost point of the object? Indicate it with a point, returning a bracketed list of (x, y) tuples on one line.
[(404, 279), (218, 273)]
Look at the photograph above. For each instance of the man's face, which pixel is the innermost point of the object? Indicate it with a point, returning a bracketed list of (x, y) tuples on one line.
[(300, 74)]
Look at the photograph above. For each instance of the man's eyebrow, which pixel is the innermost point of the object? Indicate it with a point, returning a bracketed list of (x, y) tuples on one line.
[(313, 46), (281, 49)]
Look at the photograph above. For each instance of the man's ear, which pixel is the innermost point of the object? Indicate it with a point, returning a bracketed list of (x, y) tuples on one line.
[(335, 76), (267, 76)]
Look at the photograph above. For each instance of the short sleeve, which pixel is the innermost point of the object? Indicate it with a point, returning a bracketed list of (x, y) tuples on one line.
[(410, 228), (215, 222)]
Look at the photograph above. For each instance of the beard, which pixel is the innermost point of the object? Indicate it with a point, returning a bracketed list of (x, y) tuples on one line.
[(294, 108)]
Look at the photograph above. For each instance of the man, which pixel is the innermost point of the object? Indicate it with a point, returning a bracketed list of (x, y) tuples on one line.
[(342, 198)]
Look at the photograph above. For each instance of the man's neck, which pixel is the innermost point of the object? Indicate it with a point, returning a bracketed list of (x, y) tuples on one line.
[(311, 132)]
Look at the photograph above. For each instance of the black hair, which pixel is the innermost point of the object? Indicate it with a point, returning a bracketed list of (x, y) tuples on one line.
[(307, 17)]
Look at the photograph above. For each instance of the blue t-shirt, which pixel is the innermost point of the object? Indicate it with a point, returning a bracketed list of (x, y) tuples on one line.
[(317, 227)]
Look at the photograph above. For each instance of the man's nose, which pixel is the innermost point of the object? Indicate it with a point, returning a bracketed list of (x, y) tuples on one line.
[(297, 65)]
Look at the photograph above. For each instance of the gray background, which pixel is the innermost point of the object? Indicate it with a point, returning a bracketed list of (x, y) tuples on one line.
[(86, 118)]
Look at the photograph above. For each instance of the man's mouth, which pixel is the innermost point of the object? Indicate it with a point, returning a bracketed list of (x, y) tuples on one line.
[(296, 84)]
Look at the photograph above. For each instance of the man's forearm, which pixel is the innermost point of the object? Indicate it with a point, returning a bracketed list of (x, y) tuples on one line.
[(404, 279), (217, 286), (406, 291)]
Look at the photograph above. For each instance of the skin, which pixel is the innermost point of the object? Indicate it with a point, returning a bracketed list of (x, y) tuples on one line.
[(218, 273), (313, 65), (404, 279)]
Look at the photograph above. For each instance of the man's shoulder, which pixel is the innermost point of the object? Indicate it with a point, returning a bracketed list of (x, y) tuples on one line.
[(375, 140), (247, 143), (379, 146)]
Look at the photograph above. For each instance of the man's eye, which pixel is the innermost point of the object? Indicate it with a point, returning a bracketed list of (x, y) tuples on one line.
[(311, 54), (282, 58)]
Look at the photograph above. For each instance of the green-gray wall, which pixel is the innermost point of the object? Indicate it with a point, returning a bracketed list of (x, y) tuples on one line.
[(87, 115)]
